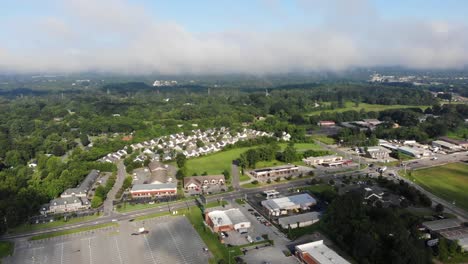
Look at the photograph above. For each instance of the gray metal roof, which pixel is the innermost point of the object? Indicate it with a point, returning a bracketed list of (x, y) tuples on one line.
[(289, 202), (294, 219), (236, 216), (442, 224)]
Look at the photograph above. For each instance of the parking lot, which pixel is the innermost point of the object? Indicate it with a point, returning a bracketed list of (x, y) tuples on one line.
[(170, 240), (272, 254)]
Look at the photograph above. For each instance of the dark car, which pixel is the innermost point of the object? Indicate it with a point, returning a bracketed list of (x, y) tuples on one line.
[(250, 210), (135, 234), (145, 232), (131, 220), (226, 234)]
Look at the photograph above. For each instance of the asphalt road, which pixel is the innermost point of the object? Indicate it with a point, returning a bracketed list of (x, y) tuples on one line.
[(241, 193), (108, 203)]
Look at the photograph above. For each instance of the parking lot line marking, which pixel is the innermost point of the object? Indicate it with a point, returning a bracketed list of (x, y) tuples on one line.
[(149, 248), (175, 243), (118, 250), (61, 255), (90, 256)]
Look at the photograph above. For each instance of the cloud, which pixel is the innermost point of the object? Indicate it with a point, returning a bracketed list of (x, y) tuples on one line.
[(123, 37)]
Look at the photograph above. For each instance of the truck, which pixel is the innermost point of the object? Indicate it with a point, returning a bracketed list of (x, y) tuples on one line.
[(382, 169)]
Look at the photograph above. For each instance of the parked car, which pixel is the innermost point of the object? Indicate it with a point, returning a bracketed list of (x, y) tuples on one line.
[(225, 234)]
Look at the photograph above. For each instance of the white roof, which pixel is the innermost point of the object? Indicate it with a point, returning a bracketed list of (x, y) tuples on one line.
[(290, 202), (227, 217), (321, 253)]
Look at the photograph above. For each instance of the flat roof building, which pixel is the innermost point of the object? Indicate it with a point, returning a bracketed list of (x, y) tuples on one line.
[(281, 206), (377, 152), (275, 172), (445, 145), (153, 190), (329, 159), (299, 220), (442, 224), (318, 253), (227, 220)]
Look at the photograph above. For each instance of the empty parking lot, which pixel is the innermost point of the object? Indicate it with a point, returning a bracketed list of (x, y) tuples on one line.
[(170, 240)]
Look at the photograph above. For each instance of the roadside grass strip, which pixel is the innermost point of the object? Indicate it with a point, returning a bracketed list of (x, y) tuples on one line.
[(72, 231)]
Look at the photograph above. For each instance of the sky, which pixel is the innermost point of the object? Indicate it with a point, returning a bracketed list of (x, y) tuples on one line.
[(221, 36)]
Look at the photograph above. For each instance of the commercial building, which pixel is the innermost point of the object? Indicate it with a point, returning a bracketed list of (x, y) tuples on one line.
[(283, 205), (414, 152), (330, 160), (318, 253), (299, 220), (227, 220), (275, 172), (461, 143), (153, 190), (445, 145), (443, 224), (377, 152), (271, 194)]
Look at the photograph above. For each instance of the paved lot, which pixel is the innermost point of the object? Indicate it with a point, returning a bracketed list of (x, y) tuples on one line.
[(170, 240), (268, 254)]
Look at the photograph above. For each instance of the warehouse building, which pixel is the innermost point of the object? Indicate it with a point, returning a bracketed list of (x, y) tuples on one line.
[(227, 220), (284, 205), (445, 145), (318, 253), (300, 220)]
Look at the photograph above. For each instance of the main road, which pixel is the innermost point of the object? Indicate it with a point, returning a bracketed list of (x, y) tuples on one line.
[(240, 194)]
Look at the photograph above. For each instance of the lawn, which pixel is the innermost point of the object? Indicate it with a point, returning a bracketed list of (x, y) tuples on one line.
[(28, 227), (244, 177), (134, 207), (367, 107), (324, 139), (449, 182), (318, 188), (6, 249), (216, 163), (216, 204), (72, 231)]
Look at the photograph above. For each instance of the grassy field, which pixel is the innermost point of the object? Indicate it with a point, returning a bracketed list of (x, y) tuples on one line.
[(324, 139), (6, 249), (215, 204), (459, 134), (449, 182), (134, 207), (27, 227), (367, 107), (215, 163), (72, 231), (218, 162)]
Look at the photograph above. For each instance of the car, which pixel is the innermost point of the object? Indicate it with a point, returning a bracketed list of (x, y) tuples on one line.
[(131, 220), (135, 234), (222, 234), (152, 202), (114, 220), (226, 234), (145, 232), (250, 210), (205, 249)]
